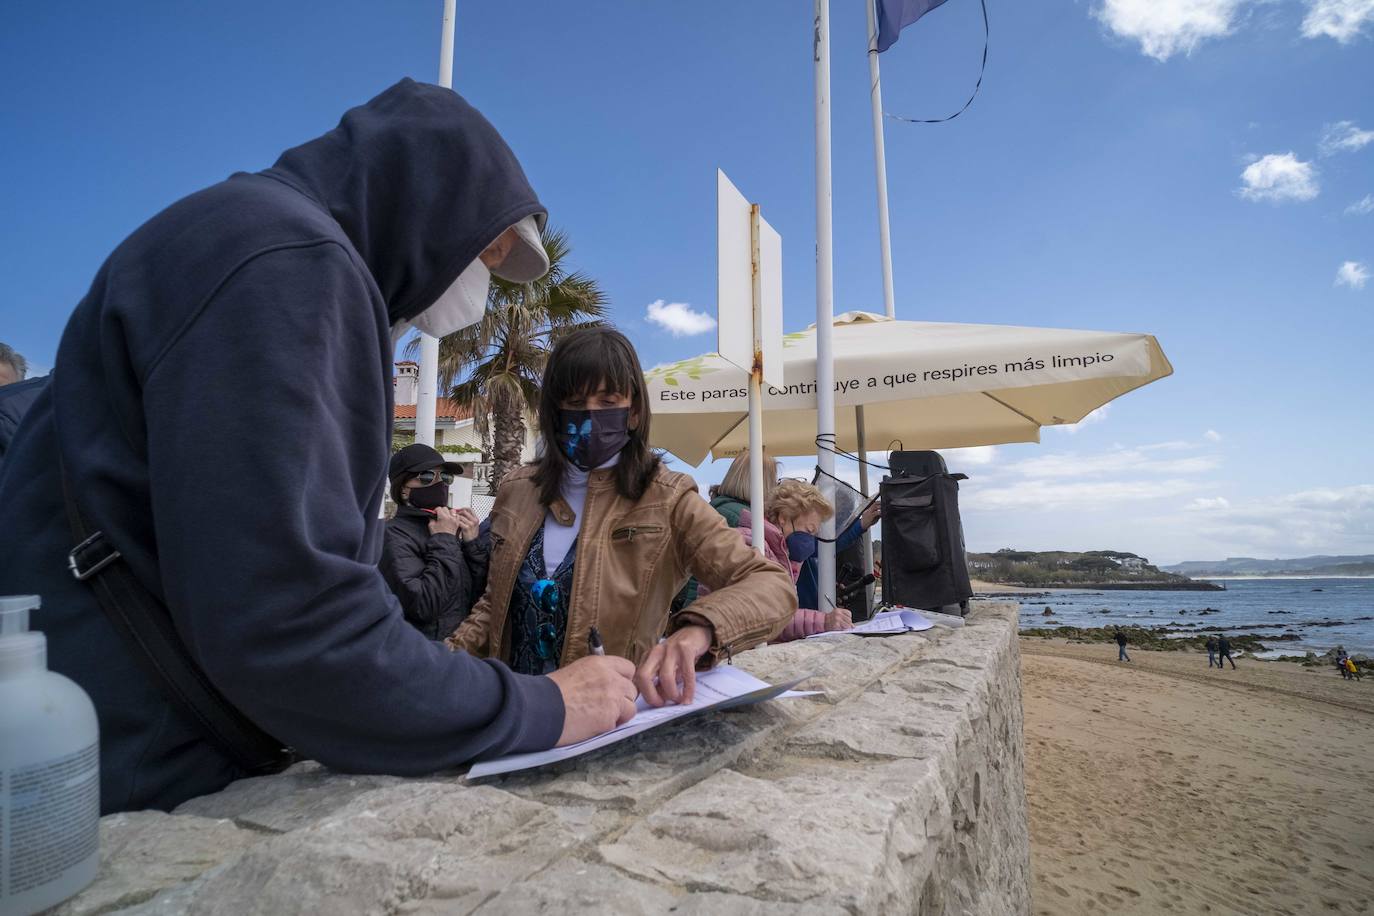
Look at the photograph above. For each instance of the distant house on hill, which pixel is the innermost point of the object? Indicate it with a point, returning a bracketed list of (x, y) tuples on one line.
[(1133, 563)]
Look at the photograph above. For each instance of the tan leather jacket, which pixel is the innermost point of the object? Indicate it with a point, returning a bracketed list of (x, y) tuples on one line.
[(632, 558)]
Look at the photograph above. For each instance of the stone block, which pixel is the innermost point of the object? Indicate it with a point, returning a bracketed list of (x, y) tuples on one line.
[(901, 789), (831, 834), (146, 852)]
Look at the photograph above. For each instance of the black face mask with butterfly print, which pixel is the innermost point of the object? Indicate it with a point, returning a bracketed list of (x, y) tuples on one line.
[(590, 438)]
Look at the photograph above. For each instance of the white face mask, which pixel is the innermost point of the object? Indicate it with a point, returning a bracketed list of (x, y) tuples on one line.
[(460, 306)]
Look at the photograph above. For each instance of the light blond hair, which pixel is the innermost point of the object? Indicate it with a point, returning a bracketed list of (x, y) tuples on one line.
[(792, 499), (735, 484)]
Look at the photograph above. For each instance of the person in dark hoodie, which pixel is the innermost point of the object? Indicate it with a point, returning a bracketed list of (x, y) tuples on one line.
[(432, 556), (1224, 652), (1121, 641), (221, 405)]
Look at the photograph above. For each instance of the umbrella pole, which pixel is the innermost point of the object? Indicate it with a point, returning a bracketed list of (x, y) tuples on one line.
[(756, 507), (863, 488)]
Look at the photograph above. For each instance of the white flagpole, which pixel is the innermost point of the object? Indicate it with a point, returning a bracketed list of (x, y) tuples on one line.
[(825, 305), (756, 506), (426, 401), (875, 96)]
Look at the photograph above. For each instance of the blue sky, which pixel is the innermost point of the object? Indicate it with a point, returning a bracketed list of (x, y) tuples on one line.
[(1201, 171)]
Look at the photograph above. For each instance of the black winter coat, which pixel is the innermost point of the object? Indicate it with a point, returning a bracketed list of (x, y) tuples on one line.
[(436, 577)]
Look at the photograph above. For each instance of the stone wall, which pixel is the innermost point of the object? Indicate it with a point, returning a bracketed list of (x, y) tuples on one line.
[(899, 790)]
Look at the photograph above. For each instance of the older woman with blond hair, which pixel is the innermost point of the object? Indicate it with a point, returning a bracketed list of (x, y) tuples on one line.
[(731, 495), (794, 506)]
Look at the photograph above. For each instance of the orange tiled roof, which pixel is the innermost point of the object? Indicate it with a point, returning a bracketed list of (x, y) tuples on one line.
[(444, 409)]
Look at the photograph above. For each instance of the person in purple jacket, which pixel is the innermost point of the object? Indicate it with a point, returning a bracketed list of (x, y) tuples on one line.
[(221, 405)]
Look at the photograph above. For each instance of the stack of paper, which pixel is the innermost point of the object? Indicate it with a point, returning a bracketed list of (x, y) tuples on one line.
[(886, 623), (719, 688)]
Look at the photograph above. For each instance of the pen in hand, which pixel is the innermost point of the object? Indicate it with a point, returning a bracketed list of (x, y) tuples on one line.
[(594, 643)]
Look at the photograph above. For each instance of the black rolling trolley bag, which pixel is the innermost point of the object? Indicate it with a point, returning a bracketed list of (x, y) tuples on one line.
[(923, 539)]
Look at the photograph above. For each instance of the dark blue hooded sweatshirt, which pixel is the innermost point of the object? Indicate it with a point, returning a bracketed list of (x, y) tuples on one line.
[(223, 399)]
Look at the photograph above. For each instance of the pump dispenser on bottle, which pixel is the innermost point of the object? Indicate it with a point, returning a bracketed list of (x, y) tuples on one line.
[(49, 772)]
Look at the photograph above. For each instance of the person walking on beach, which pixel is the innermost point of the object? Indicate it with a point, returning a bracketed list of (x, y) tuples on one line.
[(1224, 652), (1212, 652), (1121, 655)]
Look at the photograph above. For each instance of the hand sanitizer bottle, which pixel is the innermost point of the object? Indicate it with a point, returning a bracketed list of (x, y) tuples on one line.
[(49, 772)]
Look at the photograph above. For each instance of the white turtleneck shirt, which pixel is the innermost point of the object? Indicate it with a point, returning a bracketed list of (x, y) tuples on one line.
[(558, 539)]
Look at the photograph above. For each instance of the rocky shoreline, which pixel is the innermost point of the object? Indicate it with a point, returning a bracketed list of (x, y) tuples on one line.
[(1167, 586), (1192, 637)]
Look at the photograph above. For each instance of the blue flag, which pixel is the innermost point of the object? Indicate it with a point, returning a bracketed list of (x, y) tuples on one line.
[(895, 15)]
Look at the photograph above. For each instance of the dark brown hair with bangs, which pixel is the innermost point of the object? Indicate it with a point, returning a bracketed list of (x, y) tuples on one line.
[(584, 362)]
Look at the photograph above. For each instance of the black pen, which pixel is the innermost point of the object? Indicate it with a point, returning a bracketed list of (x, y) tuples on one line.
[(594, 644)]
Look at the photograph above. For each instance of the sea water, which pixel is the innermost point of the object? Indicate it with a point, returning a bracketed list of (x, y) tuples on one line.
[(1323, 613)]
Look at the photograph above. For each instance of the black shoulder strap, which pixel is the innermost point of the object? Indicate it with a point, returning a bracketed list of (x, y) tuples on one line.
[(147, 629)]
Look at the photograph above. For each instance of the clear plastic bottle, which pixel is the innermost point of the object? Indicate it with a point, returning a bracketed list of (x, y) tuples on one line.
[(49, 772)]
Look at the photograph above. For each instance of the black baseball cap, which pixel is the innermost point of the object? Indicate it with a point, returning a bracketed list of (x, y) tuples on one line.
[(418, 457)]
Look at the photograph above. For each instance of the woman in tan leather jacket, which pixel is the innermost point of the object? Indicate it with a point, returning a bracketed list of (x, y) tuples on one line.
[(597, 533)]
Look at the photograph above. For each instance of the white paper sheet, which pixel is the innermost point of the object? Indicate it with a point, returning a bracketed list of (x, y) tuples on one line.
[(719, 688), (885, 623)]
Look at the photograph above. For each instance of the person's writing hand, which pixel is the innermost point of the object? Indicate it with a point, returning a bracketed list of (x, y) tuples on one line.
[(839, 619), (598, 694), (468, 523), (877, 568), (671, 661), (871, 515), (445, 522)]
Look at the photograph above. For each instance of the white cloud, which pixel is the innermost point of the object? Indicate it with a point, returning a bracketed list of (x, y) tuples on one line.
[(1131, 461), (1334, 520), (1344, 137), (678, 318), (1056, 494), (1352, 274), (980, 455), (1204, 503), (1361, 207), (1342, 20), (1168, 27), (1279, 177), (1212, 435)]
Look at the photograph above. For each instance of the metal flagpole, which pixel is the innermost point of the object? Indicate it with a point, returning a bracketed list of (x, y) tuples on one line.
[(426, 401), (875, 96), (756, 507), (825, 305)]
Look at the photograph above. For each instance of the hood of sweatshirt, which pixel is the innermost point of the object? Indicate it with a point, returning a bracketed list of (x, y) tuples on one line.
[(420, 182)]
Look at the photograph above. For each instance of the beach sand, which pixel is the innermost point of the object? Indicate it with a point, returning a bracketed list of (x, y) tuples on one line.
[(1161, 786)]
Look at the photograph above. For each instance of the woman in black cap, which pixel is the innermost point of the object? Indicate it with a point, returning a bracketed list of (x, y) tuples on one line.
[(432, 557)]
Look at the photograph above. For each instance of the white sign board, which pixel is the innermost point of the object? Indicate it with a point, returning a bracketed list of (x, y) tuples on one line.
[(737, 339), (770, 305)]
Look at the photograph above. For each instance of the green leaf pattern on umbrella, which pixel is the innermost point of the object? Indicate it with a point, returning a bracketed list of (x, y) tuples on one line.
[(693, 368)]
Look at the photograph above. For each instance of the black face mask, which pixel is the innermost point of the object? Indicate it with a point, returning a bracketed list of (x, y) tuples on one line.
[(590, 438), (430, 497)]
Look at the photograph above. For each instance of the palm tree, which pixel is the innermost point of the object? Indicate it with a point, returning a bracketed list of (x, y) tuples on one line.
[(494, 368)]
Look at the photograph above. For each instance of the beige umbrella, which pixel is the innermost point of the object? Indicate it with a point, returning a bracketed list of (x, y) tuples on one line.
[(924, 384)]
